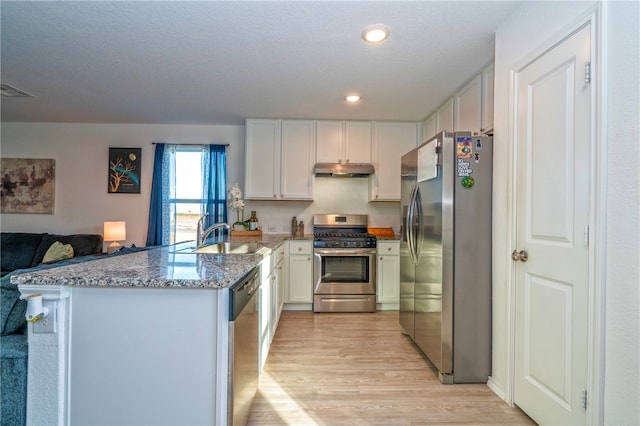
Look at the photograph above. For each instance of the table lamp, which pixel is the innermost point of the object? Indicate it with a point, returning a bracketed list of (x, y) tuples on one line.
[(115, 231)]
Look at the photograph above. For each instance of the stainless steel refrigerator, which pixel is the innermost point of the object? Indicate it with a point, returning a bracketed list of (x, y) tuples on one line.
[(445, 254)]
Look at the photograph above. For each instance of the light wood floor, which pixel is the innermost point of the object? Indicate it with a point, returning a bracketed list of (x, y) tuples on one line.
[(358, 369)]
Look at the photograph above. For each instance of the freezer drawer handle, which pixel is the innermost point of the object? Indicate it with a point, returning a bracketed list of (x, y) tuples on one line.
[(521, 255)]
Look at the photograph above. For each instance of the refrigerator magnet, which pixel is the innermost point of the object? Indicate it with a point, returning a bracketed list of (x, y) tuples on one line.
[(463, 147), (464, 168), (476, 157), (468, 182)]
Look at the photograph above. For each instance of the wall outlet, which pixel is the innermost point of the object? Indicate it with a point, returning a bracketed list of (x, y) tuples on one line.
[(272, 228), (48, 323)]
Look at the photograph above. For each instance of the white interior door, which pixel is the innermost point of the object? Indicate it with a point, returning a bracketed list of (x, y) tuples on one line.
[(553, 175)]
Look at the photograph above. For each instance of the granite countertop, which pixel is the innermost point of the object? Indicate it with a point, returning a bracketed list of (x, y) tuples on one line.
[(163, 267)]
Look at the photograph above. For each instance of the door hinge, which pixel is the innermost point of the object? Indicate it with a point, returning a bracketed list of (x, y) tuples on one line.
[(587, 72), (586, 235), (583, 398)]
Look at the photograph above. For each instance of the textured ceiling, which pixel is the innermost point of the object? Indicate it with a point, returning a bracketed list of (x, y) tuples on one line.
[(221, 62)]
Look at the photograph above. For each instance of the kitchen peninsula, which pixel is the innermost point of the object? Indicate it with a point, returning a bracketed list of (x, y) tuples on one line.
[(140, 338)]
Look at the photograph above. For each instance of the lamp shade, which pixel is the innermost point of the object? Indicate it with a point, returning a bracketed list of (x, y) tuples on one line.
[(115, 231)]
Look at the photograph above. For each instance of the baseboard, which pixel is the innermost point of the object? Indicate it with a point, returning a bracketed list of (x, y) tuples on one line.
[(388, 306), (297, 307), (496, 389)]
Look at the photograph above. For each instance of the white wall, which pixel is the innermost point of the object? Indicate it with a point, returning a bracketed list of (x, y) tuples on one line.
[(622, 315), (82, 203), (81, 152), (331, 195), (521, 34)]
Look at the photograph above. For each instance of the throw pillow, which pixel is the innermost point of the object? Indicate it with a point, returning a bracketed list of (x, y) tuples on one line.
[(58, 251), (13, 309)]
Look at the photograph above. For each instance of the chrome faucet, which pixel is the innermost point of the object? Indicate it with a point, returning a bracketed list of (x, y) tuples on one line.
[(203, 234)]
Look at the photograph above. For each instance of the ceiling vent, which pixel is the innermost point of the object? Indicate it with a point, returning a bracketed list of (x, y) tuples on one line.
[(13, 92)]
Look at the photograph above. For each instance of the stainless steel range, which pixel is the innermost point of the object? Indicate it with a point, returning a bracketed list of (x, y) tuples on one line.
[(344, 267)]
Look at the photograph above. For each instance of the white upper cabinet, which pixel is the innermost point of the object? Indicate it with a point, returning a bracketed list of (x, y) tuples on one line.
[(279, 159), (487, 99), (444, 117), (262, 159), (358, 141), (329, 141), (343, 142), (429, 127), (468, 107), (391, 140), (297, 160)]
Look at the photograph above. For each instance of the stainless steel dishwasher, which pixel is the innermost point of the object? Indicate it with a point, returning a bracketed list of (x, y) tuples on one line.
[(243, 347)]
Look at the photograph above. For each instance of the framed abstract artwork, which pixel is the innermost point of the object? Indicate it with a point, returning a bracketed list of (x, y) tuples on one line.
[(124, 170), (28, 185)]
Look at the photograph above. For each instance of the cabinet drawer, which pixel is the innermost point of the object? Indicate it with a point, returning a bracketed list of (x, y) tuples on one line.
[(388, 248), (300, 247)]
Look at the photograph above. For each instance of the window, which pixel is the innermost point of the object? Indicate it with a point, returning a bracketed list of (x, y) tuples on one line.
[(186, 198), (188, 182)]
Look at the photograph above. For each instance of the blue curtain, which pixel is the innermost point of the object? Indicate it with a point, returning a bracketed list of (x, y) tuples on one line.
[(163, 189), (214, 185), (159, 219)]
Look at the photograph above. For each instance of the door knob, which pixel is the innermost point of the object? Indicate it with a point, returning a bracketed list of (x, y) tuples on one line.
[(521, 255)]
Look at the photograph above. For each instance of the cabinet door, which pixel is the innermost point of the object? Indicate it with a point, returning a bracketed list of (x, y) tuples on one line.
[(487, 99), (273, 307), (468, 107), (391, 142), (280, 286), (264, 328), (300, 279), (429, 127), (298, 155), (329, 141), (358, 142), (388, 285), (444, 117), (262, 159)]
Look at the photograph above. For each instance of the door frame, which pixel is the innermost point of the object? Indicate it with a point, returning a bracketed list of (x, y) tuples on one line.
[(597, 208)]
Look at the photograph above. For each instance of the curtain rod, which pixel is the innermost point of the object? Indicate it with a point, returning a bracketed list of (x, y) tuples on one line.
[(190, 144)]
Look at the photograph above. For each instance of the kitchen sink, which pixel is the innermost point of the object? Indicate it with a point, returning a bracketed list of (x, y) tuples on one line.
[(229, 247)]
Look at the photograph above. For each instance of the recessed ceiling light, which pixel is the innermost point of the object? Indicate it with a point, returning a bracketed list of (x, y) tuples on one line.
[(352, 98), (376, 33)]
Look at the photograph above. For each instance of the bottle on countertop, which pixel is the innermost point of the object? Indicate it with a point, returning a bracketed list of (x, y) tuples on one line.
[(253, 221), (301, 229), (294, 227)]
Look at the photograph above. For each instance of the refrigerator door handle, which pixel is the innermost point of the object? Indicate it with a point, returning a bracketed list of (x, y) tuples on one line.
[(410, 225), (419, 237)]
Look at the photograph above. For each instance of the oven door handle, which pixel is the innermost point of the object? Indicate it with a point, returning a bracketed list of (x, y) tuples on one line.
[(317, 270), (344, 252)]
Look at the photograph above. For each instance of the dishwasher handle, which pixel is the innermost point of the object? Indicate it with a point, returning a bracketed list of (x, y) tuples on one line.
[(241, 294)]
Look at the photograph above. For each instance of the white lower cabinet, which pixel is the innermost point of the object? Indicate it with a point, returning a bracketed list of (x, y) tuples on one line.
[(299, 293), (277, 289), (388, 275), (271, 297)]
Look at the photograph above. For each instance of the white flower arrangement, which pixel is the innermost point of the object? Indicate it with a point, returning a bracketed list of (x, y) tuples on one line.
[(236, 201)]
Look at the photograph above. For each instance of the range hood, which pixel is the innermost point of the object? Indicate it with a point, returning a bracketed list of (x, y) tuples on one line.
[(343, 170)]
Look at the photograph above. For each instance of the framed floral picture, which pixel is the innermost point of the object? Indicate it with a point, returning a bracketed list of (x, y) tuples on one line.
[(28, 185), (124, 170)]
